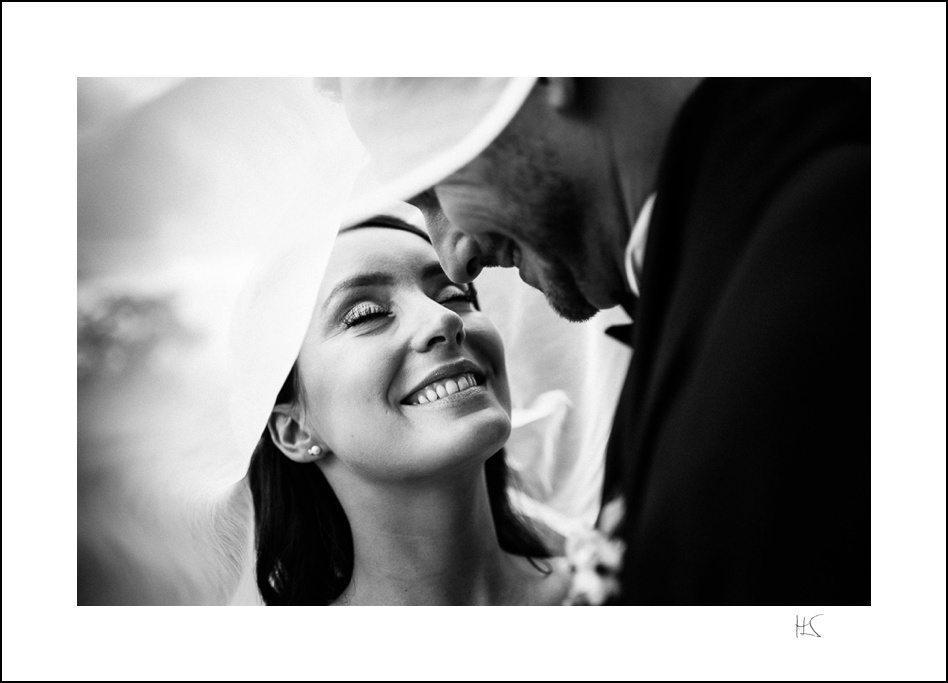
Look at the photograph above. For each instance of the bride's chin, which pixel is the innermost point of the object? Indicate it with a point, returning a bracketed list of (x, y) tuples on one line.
[(491, 435)]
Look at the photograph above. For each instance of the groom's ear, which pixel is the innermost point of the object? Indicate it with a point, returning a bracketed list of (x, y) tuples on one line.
[(289, 434)]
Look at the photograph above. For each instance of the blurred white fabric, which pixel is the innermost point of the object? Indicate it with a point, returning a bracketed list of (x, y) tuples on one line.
[(565, 380), (459, 116), (207, 209), (187, 188)]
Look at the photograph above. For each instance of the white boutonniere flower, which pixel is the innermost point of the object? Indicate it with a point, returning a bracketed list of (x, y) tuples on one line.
[(595, 559)]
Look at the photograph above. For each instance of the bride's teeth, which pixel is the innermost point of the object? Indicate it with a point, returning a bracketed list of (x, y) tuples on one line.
[(445, 388)]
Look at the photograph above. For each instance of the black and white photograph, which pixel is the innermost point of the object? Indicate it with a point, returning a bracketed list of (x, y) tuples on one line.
[(670, 347)]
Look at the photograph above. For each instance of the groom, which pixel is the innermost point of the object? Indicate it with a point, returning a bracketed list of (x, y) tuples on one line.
[(731, 219)]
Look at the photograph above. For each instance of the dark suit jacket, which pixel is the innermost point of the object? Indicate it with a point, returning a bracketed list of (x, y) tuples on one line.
[(742, 441)]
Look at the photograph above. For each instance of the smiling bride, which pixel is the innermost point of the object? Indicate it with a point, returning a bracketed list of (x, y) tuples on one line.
[(380, 476)]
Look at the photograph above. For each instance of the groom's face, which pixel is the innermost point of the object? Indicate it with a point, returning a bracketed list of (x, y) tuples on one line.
[(516, 206)]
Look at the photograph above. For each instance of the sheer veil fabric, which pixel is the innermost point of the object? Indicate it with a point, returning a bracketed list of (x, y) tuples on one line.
[(206, 214), (207, 208)]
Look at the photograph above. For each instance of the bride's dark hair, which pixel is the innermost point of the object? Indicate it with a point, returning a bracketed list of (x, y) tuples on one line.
[(303, 538)]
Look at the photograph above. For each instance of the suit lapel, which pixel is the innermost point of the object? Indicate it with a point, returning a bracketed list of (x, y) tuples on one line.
[(700, 229)]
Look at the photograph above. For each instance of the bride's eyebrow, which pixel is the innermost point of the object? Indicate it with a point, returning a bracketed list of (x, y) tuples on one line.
[(379, 279), (357, 281)]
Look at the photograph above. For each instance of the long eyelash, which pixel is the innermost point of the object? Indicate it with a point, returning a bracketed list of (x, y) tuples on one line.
[(366, 311), (363, 312)]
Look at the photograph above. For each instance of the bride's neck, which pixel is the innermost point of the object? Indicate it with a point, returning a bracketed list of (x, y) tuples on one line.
[(425, 543)]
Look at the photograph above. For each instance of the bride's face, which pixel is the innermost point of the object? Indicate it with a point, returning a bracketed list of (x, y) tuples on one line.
[(401, 376)]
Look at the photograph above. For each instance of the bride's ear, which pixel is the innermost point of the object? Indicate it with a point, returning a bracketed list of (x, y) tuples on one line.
[(291, 436)]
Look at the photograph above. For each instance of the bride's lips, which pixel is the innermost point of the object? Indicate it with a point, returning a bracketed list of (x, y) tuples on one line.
[(443, 372)]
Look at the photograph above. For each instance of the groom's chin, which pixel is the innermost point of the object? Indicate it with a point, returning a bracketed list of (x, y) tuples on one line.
[(558, 284), (570, 304)]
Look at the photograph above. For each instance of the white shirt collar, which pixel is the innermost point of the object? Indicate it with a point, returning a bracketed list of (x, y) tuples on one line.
[(635, 249)]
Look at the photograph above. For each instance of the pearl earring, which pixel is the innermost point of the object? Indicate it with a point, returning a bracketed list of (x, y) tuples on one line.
[(314, 451)]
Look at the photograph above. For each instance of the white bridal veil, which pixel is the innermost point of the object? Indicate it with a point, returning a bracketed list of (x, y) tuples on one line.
[(207, 210)]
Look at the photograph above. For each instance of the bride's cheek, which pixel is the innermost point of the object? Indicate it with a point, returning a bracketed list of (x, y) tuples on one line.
[(486, 339)]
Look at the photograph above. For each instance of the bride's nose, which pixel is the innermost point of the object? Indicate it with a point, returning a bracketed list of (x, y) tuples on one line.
[(437, 325)]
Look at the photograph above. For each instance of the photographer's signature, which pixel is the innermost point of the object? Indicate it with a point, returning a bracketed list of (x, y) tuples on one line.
[(805, 627)]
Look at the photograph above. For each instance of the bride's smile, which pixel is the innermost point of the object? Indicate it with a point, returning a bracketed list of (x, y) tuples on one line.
[(394, 419), (394, 343), (460, 376)]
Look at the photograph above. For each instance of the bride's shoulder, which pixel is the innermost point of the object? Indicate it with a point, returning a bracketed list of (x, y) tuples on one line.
[(546, 581)]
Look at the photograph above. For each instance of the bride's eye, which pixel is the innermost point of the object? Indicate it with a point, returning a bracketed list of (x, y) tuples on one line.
[(363, 312)]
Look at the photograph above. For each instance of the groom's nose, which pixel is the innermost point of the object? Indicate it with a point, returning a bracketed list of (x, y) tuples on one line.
[(459, 253)]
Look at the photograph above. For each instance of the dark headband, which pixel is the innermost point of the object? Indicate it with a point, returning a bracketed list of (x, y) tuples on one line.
[(383, 221)]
